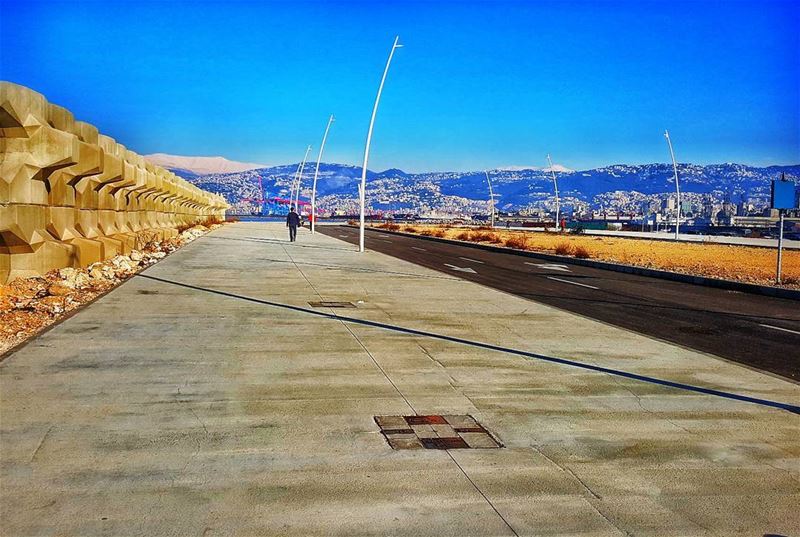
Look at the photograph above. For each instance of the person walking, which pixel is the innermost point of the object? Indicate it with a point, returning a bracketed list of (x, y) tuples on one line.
[(292, 221)]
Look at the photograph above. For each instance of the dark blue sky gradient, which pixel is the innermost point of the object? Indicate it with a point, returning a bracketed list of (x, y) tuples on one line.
[(478, 84)]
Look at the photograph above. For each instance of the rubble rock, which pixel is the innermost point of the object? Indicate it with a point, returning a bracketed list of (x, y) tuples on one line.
[(68, 276), (58, 289), (50, 304), (96, 273)]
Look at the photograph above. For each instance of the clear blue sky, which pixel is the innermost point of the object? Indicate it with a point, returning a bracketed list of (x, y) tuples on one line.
[(478, 84)]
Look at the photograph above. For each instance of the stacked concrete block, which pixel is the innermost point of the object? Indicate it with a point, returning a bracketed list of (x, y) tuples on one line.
[(70, 196)]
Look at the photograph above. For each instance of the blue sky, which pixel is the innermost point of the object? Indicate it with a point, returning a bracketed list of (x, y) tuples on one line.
[(477, 84)]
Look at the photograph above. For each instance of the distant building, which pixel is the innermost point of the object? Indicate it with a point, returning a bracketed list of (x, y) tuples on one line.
[(754, 221)]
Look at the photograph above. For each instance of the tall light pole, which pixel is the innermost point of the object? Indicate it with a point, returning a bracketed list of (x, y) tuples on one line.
[(677, 187), (299, 180), (555, 185), (261, 191), (316, 173), (363, 188), (491, 195)]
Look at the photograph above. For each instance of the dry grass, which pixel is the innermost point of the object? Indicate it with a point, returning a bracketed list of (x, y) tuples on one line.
[(581, 252), (564, 248), (518, 243), (738, 263)]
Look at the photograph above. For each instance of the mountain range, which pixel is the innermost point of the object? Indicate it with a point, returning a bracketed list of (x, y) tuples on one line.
[(619, 187)]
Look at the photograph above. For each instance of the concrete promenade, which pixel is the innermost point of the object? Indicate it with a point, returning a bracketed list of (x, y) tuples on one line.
[(206, 397)]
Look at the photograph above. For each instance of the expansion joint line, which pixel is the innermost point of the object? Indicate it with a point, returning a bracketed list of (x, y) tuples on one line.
[(347, 327), (488, 501), (400, 393)]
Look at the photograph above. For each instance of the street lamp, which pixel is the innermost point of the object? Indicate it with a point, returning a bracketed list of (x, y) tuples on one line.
[(677, 187), (316, 173), (363, 188), (491, 195), (555, 184), (299, 180)]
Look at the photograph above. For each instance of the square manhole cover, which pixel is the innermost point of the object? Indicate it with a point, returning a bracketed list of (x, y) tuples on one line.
[(331, 304), (435, 432)]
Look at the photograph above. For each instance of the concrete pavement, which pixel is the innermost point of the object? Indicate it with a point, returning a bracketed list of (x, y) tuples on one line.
[(206, 397), (759, 331)]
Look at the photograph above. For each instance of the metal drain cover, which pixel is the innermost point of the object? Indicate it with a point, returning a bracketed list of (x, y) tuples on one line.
[(435, 432), (331, 304)]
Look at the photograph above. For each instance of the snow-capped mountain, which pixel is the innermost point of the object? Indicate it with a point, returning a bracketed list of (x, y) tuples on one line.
[(556, 168), (200, 165)]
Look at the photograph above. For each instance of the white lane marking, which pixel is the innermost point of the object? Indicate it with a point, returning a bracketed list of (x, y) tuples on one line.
[(549, 266), (418, 248), (779, 328), (573, 283), (471, 260), (460, 269), (345, 236), (384, 240)]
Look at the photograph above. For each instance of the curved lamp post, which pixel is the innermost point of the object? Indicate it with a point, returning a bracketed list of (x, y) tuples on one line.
[(299, 180), (491, 195), (677, 187), (555, 184), (363, 187), (316, 173)]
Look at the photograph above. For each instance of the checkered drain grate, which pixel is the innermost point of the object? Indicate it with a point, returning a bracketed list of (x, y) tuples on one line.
[(331, 304), (435, 432)]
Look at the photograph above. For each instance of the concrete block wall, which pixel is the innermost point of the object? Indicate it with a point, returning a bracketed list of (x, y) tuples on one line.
[(70, 196)]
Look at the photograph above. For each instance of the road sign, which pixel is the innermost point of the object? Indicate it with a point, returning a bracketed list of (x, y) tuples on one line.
[(783, 194)]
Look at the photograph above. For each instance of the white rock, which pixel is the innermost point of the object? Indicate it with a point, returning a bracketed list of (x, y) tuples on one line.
[(82, 280), (68, 275)]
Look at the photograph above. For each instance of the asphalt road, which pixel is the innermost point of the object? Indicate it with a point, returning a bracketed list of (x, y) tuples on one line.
[(758, 331)]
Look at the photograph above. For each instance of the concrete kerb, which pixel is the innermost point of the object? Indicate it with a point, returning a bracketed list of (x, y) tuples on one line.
[(728, 285)]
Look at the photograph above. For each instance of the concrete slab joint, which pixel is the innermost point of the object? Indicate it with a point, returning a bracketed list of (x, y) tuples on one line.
[(70, 196)]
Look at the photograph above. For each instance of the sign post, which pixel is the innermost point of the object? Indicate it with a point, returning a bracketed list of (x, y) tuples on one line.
[(782, 198), (780, 247)]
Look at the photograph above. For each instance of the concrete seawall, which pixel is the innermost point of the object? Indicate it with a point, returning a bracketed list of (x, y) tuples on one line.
[(70, 196)]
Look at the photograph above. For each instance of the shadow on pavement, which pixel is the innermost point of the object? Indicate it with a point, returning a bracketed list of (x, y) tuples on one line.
[(488, 346)]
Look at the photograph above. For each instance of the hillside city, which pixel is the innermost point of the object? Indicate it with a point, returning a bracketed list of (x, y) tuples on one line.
[(719, 196)]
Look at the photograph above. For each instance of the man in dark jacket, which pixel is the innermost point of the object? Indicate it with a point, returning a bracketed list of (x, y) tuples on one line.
[(292, 221)]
